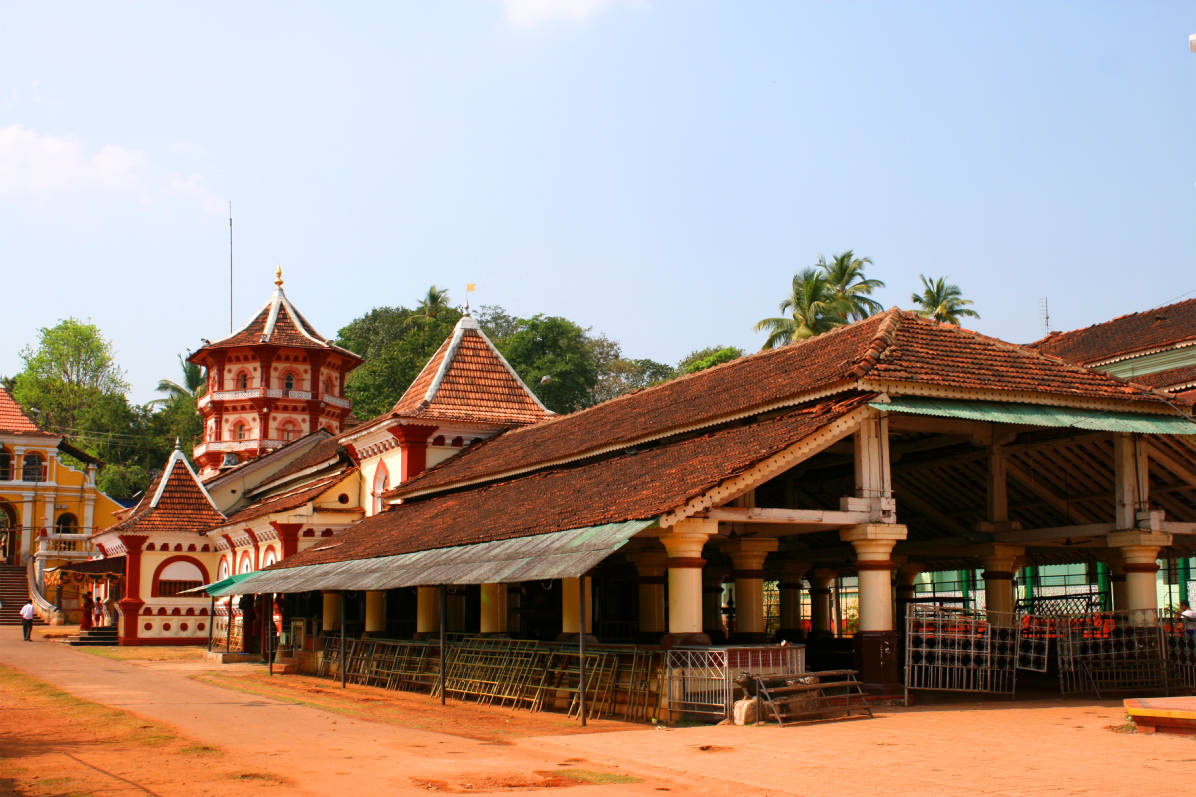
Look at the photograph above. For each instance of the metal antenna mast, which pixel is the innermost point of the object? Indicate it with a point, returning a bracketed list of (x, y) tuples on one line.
[(230, 266), (1046, 317)]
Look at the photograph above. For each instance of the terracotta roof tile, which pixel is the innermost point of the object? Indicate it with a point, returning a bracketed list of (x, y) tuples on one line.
[(469, 380), (328, 449), (13, 419), (894, 346), (1160, 328), (635, 484), (288, 500), (174, 502), (1169, 379)]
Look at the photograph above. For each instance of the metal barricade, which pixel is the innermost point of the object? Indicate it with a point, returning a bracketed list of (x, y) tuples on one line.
[(701, 679), (1112, 652), (961, 650)]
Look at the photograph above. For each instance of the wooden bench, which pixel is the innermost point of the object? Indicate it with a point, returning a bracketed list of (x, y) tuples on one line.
[(808, 696)]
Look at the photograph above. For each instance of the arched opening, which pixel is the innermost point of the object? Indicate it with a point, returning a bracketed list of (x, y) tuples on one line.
[(289, 430), (243, 381), (31, 471), (381, 485), (176, 574), (5, 464), (239, 431), (8, 532), (67, 524)]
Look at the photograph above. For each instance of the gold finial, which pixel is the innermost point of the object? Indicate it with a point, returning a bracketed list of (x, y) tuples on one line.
[(278, 276)]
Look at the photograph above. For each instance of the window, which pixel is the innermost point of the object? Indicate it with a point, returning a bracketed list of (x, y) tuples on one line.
[(328, 385), (67, 524), (243, 382), (169, 589), (239, 431), (290, 431), (288, 384), (5, 464), (32, 470)]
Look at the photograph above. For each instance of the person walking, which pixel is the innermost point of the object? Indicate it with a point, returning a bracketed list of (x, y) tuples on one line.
[(27, 620)]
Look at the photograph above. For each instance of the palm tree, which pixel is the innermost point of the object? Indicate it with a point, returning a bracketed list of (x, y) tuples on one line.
[(845, 277), (433, 302), (942, 301), (809, 310), (193, 383)]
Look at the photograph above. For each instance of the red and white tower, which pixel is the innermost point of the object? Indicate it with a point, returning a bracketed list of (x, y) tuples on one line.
[(273, 381)]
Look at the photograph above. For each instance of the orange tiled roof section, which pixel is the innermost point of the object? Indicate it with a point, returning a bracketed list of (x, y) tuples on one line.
[(318, 454), (13, 419), (288, 500), (290, 329), (632, 485), (894, 346), (468, 380), (1137, 332), (183, 505), (1170, 379)]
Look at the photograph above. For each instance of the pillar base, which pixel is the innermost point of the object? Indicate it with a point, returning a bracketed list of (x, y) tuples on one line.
[(691, 639), (877, 656)]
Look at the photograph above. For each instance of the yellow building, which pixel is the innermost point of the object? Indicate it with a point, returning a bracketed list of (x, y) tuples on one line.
[(48, 512)]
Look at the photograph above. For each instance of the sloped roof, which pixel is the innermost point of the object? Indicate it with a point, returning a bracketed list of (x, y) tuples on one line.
[(890, 348), (288, 500), (1149, 330), (1169, 380), (276, 322), (630, 485), (13, 419), (176, 501), (324, 451), (469, 380)]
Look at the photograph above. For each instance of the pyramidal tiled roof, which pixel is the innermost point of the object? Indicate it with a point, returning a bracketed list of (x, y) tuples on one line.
[(13, 419), (279, 323), (176, 501), (469, 380)]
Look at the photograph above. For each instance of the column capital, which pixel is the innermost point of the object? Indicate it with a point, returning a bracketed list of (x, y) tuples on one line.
[(650, 563), (792, 570), (1138, 546), (686, 539), (750, 552), (891, 532)]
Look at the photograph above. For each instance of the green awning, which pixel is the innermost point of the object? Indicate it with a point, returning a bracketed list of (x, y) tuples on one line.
[(1039, 415), (558, 554), (223, 586)]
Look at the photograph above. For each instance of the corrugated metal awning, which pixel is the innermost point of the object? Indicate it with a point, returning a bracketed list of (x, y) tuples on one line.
[(560, 554), (1039, 415)]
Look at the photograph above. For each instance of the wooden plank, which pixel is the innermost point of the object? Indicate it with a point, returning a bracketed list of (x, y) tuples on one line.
[(793, 517)]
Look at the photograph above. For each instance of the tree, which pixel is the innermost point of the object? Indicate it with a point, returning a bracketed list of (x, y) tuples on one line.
[(709, 357), (176, 416), (433, 303), (191, 387), (942, 301), (618, 375), (810, 309), (554, 358), (851, 289)]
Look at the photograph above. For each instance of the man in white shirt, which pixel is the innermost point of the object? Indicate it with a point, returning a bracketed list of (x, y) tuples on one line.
[(1188, 615), (27, 620)]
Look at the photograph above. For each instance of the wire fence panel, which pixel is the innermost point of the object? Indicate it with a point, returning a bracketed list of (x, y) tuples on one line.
[(961, 650), (701, 680), (1180, 649), (225, 639), (1112, 652), (1034, 642)]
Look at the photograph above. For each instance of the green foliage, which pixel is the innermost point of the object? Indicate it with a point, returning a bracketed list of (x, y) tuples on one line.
[(851, 289), (942, 301), (810, 309), (556, 359), (709, 357)]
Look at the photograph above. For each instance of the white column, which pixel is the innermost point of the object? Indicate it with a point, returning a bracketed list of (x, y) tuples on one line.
[(427, 610), (747, 557), (375, 611), (684, 543), (873, 543), (1139, 554), (998, 577), (494, 609)]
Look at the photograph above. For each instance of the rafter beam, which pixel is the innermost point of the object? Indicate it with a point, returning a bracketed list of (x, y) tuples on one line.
[(791, 517), (1048, 497), (1054, 533)]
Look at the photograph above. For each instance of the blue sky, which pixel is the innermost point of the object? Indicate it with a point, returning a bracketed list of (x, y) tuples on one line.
[(656, 170)]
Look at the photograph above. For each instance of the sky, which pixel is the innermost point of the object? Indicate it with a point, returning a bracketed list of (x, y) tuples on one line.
[(656, 170)]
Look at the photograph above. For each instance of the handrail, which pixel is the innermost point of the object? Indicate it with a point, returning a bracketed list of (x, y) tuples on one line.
[(46, 610)]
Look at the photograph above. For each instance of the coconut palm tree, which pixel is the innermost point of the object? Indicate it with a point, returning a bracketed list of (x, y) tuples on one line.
[(846, 280), (433, 302), (810, 309), (942, 301), (191, 388)]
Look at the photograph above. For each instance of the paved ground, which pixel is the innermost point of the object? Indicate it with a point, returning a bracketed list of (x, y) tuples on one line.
[(988, 748)]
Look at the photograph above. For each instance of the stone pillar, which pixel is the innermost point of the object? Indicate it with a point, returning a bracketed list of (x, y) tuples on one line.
[(1139, 554), (427, 612), (651, 567), (789, 588), (375, 611), (332, 611), (130, 605), (877, 645), (494, 610), (570, 622), (820, 602), (747, 557), (684, 543), (999, 595)]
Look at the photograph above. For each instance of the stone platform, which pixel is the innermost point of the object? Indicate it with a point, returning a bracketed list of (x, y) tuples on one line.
[(1163, 714)]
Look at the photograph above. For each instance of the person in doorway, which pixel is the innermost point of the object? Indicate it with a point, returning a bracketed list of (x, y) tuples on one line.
[(27, 620), (1188, 615)]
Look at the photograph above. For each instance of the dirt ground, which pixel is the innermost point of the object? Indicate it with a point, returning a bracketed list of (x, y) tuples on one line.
[(249, 733)]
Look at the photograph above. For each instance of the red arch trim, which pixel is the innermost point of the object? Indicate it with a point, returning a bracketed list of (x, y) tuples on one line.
[(167, 561)]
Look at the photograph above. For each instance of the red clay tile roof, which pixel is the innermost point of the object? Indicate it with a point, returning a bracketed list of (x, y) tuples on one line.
[(327, 449), (631, 485), (468, 380), (889, 347), (174, 502), (277, 323), (13, 419), (288, 500), (1149, 330), (1169, 380)]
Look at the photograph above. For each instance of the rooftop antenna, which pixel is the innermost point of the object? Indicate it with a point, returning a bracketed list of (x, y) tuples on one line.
[(1046, 317), (230, 266)]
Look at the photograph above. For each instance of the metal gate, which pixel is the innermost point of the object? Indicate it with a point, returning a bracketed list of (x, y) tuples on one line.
[(701, 680), (961, 650), (1112, 652)]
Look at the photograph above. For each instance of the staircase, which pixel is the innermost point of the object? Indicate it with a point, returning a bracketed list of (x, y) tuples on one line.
[(14, 593), (96, 637)]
